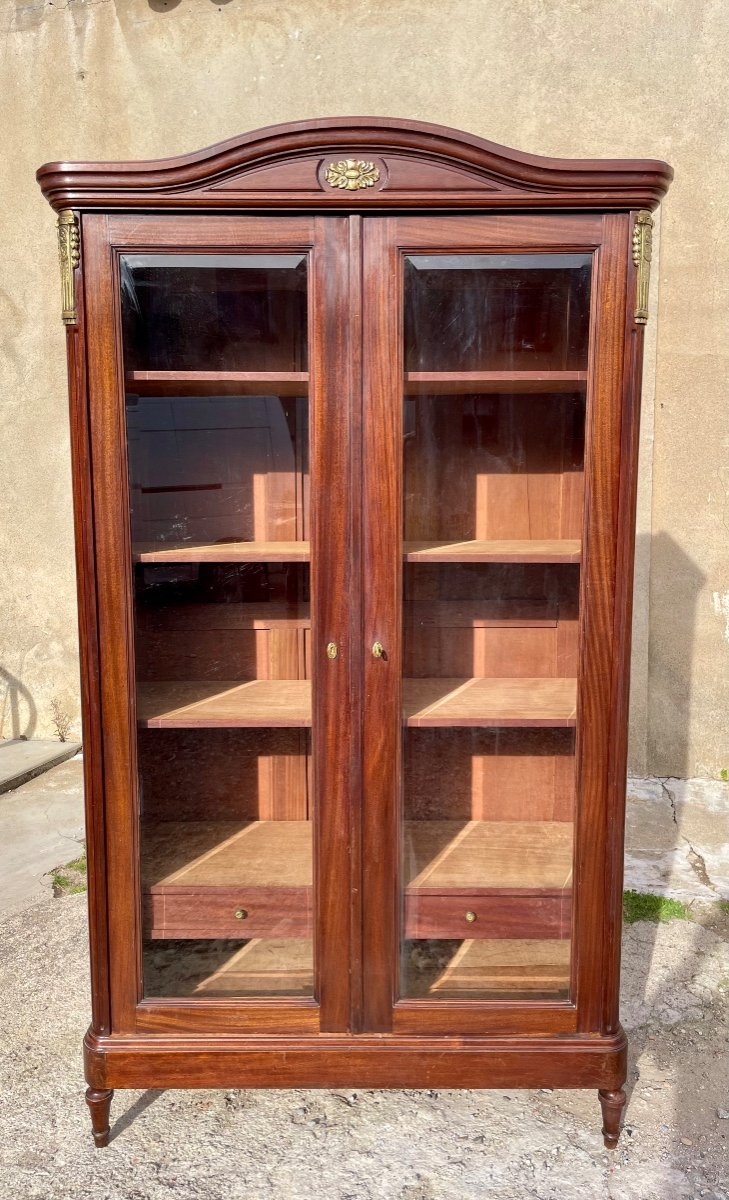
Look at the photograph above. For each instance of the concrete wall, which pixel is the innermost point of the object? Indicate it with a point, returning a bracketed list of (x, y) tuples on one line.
[(95, 79)]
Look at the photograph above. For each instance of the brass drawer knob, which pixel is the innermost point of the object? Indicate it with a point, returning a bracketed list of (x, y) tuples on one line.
[(241, 914), (470, 916), (378, 650)]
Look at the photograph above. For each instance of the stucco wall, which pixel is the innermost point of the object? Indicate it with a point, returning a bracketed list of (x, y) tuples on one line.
[(95, 79)]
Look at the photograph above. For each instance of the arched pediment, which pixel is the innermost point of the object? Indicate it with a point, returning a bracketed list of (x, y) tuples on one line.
[(357, 163)]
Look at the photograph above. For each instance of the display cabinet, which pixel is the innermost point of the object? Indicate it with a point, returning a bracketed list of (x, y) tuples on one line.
[(354, 411)]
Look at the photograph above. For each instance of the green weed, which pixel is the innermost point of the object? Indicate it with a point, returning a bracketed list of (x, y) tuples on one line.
[(641, 906)]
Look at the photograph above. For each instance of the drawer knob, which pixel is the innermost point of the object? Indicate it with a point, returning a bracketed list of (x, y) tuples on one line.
[(241, 914), (470, 916)]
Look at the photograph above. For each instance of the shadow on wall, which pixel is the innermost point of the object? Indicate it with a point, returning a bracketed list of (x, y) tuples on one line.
[(168, 5), (18, 713), (665, 988), (675, 584)]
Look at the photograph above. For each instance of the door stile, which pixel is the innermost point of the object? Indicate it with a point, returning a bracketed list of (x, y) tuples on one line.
[(382, 518), (600, 807), (334, 615), (355, 601)]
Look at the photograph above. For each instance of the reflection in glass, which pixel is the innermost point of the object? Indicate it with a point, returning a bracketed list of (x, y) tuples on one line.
[(214, 312)]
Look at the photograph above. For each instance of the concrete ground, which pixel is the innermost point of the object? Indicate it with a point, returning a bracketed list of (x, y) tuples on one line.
[(22, 759), (405, 1145), (41, 827)]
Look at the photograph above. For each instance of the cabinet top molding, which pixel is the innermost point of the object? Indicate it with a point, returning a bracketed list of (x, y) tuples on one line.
[(401, 164)]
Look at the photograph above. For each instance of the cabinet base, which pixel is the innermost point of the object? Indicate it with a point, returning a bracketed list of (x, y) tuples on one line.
[(365, 1061)]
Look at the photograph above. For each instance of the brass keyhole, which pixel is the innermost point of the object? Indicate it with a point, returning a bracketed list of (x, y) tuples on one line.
[(378, 650), (332, 650)]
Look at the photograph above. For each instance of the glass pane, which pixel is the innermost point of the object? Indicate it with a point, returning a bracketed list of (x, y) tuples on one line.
[(494, 418), (218, 438)]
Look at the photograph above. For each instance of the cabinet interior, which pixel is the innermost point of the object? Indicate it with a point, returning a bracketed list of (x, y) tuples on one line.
[(219, 481)]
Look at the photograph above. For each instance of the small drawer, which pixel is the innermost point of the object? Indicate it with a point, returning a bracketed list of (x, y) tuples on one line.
[(461, 915), (228, 913)]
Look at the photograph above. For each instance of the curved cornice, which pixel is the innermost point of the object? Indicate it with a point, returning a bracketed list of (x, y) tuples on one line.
[(419, 164)]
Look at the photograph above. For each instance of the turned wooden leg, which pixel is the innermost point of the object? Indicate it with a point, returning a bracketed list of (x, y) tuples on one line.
[(99, 1103), (612, 1104)]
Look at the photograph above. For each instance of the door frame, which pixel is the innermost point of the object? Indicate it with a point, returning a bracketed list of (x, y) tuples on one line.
[(602, 635), (325, 239)]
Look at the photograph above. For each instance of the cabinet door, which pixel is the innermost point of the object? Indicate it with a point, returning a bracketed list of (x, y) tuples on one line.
[(220, 434), (493, 382)]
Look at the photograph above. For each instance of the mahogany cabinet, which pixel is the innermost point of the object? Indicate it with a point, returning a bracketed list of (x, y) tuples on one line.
[(354, 408)]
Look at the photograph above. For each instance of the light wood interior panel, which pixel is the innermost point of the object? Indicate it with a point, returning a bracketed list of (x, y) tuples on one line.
[(489, 774), (490, 619), (218, 469), (239, 774), (493, 467)]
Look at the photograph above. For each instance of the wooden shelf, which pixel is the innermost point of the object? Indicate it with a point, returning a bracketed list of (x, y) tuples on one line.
[(440, 703), (217, 383), (523, 856), (254, 704), (286, 703), (274, 967), (448, 383), (535, 550), (284, 967), (555, 550), (220, 854), (501, 967), (220, 552), (486, 855)]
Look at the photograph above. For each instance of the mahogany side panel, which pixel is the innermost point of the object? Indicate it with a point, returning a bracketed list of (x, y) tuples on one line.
[(93, 767), (622, 634)]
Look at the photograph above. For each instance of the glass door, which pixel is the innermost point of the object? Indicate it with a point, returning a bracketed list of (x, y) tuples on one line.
[(493, 441), (236, 654), (475, 625), (217, 419)]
